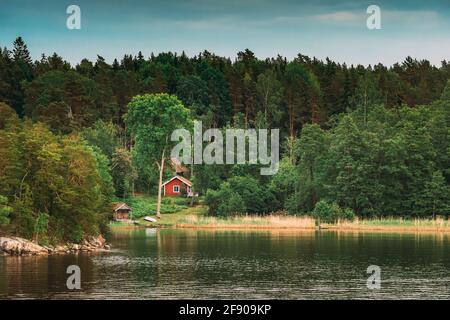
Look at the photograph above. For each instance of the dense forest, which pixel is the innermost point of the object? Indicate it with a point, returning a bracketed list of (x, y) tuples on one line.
[(370, 141)]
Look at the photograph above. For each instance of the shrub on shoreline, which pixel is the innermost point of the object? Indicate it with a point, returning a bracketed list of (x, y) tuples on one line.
[(331, 212)]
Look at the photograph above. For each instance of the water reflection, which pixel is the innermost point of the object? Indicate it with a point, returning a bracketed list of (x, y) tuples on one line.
[(161, 264)]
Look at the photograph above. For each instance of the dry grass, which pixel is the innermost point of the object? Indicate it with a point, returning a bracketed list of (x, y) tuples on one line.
[(394, 224), (308, 223), (248, 222), (196, 218)]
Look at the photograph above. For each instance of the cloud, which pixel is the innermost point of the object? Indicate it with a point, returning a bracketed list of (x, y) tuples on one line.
[(328, 17), (411, 18), (340, 16), (424, 19), (208, 23)]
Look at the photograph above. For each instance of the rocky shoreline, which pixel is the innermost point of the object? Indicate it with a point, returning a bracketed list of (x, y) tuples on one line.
[(15, 246)]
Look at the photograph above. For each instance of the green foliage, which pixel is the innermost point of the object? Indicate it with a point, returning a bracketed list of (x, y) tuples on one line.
[(270, 93), (8, 117), (348, 214), (65, 101), (104, 135), (434, 199), (118, 164), (76, 235), (233, 205), (349, 153), (331, 212), (367, 94), (311, 151), (5, 211), (103, 168), (41, 226), (373, 139), (146, 206), (193, 92), (301, 95), (284, 184), (123, 172), (55, 184), (302, 90), (240, 194), (152, 118), (322, 211)]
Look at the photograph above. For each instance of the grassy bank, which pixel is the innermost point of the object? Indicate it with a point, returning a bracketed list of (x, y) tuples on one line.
[(195, 218), (144, 205), (248, 222), (167, 219), (395, 225), (177, 213), (306, 222)]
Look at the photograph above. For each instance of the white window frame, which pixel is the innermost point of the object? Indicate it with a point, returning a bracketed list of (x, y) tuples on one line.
[(177, 187)]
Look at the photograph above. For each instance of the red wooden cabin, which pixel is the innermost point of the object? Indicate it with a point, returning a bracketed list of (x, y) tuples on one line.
[(177, 186)]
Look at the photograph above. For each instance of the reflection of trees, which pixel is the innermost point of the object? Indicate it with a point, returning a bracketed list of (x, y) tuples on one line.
[(202, 257), (172, 263), (42, 276), (23, 274)]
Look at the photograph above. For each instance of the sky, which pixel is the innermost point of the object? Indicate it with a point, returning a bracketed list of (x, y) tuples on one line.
[(320, 28)]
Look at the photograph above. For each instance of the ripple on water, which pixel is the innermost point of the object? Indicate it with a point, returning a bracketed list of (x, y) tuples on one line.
[(187, 264)]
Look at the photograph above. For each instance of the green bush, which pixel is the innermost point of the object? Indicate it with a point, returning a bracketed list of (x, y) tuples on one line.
[(77, 235), (5, 211), (348, 214), (218, 201), (240, 195), (331, 212), (234, 204)]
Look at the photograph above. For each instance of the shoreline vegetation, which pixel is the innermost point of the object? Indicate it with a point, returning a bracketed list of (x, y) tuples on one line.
[(197, 218), (356, 142)]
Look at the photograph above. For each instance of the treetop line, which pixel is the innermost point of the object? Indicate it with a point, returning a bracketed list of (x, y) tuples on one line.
[(366, 140)]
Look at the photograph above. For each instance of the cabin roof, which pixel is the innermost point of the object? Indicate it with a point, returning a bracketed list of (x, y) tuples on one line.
[(121, 206), (182, 179)]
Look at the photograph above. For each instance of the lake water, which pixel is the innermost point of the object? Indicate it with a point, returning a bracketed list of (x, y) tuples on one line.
[(196, 264)]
